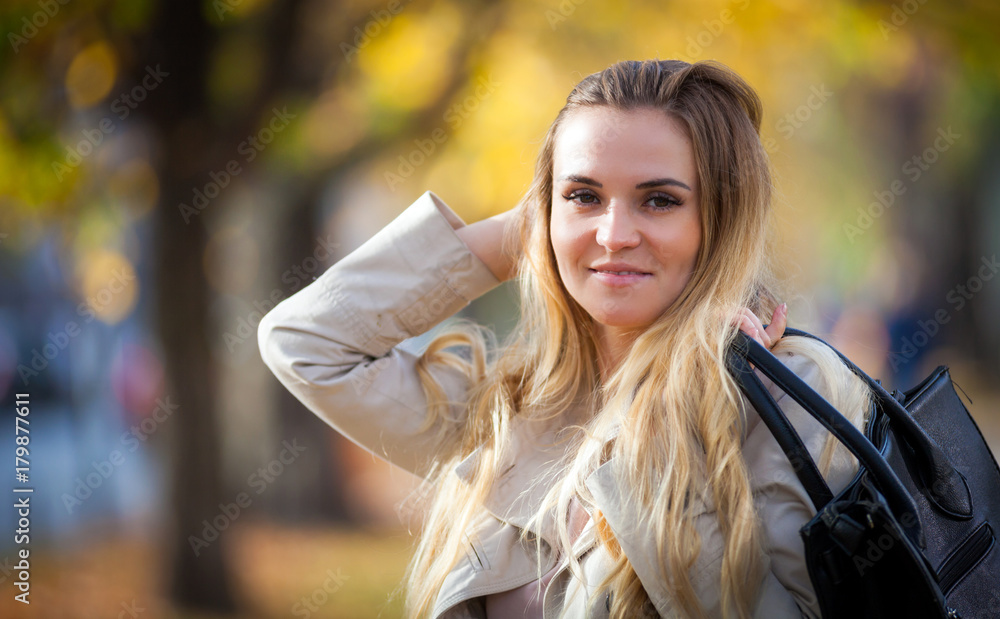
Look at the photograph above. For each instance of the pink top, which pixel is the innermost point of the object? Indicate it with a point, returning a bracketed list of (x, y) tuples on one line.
[(526, 600)]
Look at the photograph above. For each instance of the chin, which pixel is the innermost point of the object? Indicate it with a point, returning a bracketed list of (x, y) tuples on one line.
[(622, 322)]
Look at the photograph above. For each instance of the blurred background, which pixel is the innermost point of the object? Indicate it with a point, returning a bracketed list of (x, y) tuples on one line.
[(171, 170)]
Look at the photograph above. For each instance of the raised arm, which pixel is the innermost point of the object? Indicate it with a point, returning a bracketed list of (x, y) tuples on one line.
[(333, 344)]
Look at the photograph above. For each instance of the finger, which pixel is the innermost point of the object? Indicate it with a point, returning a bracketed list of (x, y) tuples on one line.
[(763, 337), (737, 319), (779, 320), (747, 326)]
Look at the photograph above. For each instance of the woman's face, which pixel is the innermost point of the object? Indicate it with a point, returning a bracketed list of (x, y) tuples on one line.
[(625, 225)]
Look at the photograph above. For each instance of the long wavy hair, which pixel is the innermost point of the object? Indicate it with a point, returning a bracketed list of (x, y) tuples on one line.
[(669, 418)]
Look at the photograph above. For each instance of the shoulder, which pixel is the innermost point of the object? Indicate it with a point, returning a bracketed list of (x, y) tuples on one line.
[(821, 369), (806, 358), (802, 364)]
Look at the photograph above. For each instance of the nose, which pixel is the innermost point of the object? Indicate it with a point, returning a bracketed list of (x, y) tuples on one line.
[(617, 229)]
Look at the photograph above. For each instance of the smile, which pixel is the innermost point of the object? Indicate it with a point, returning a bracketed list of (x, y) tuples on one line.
[(620, 278)]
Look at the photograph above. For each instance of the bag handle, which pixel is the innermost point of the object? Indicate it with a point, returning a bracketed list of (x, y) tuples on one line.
[(943, 485), (784, 433), (892, 488)]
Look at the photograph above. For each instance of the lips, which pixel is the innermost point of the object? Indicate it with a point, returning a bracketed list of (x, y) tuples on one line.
[(620, 272), (618, 268), (619, 275)]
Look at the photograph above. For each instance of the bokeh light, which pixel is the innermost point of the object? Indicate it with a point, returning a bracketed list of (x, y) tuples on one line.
[(108, 285), (135, 185), (91, 74), (137, 380)]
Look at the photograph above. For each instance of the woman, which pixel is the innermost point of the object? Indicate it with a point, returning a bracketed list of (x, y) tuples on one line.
[(602, 462)]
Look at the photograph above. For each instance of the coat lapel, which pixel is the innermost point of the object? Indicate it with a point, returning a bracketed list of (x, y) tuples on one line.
[(637, 536), (497, 558), (528, 473)]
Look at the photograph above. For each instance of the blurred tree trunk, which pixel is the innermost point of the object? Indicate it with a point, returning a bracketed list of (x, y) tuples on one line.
[(181, 43), (193, 142)]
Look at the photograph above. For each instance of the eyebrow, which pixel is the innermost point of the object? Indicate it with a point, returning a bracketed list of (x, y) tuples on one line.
[(659, 182)]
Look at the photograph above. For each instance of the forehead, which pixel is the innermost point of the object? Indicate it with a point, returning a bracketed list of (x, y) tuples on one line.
[(604, 142)]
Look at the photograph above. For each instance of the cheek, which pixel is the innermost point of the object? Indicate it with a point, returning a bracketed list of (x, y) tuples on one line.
[(562, 240), (563, 260), (694, 243), (685, 248), (682, 243)]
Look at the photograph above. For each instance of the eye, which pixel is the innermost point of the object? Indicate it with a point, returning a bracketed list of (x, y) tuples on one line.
[(663, 201), (581, 196)]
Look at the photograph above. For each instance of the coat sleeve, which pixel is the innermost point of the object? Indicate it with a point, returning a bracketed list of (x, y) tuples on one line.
[(783, 503), (333, 344)]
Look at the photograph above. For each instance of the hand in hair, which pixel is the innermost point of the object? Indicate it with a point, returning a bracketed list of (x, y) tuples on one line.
[(750, 324), (485, 239)]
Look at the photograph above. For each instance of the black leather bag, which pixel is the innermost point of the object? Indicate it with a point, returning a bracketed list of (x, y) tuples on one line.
[(913, 533)]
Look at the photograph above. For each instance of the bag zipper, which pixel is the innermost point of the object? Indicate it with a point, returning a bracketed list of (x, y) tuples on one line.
[(968, 555)]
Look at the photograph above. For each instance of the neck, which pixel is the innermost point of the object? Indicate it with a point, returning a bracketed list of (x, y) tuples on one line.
[(613, 343)]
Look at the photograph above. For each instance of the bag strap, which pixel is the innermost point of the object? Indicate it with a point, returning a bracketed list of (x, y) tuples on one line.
[(941, 481), (899, 500), (784, 433)]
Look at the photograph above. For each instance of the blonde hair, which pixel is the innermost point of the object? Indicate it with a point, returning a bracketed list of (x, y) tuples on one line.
[(674, 410)]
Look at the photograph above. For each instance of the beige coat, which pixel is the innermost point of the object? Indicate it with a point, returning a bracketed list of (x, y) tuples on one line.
[(333, 344)]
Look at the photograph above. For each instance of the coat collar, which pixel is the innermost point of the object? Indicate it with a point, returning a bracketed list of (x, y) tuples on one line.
[(528, 473), (530, 470)]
